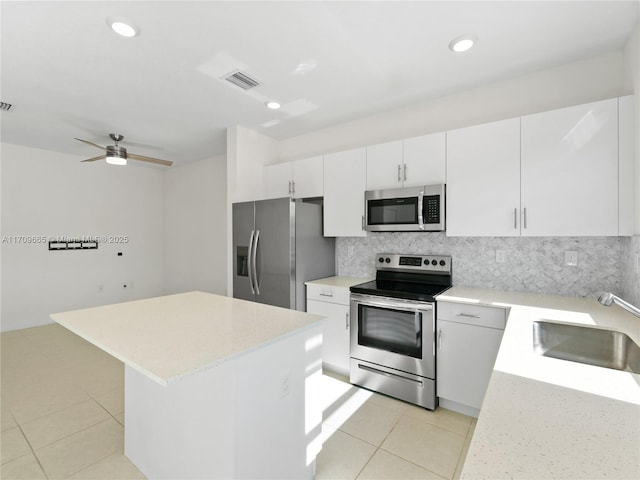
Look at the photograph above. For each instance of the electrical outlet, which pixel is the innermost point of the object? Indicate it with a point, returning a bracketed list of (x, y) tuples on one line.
[(571, 258), (501, 256)]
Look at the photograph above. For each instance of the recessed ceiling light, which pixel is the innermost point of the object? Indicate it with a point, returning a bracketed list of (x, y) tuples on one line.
[(273, 105), (462, 44), (122, 27)]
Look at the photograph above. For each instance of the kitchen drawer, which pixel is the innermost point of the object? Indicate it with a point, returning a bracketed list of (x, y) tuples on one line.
[(492, 317), (327, 293)]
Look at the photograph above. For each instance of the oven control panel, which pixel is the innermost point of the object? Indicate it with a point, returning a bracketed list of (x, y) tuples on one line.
[(420, 263)]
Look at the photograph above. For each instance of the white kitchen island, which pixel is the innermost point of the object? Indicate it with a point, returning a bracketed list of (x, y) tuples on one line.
[(215, 387)]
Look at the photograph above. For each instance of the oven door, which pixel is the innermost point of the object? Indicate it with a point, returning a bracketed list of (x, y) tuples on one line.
[(394, 333)]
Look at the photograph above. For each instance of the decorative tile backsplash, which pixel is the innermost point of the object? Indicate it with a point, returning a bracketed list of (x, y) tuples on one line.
[(630, 282), (532, 264)]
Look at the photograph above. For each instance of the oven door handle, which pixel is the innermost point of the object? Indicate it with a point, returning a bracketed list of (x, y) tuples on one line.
[(395, 305)]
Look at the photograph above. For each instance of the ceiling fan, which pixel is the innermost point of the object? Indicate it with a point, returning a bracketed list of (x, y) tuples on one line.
[(117, 155)]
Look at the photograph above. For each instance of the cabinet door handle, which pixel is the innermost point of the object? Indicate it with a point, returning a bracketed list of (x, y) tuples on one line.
[(470, 315), (399, 179), (515, 218), (405, 172), (363, 225), (346, 321), (524, 220), (439, 339), (293, 187), (289, 187), (326, 294)]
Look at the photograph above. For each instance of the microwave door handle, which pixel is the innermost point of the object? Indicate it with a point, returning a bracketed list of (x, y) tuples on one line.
[(420, 206)]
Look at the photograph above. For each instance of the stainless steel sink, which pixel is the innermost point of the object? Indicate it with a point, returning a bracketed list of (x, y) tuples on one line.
[(593, 346)]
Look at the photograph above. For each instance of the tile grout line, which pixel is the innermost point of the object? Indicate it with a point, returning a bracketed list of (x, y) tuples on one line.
[(33, 452), (460, 459), (105, 409), (82, 430)]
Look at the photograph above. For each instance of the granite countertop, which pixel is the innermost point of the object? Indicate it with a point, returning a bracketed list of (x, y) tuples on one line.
[(337, 281), (549, 418), (175, 335)]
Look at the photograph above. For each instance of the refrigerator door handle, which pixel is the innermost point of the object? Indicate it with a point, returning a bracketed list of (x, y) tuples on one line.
[(254, 262), (250, 271)]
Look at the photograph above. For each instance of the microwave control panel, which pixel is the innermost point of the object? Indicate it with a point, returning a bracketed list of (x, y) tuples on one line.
[(432, 209)]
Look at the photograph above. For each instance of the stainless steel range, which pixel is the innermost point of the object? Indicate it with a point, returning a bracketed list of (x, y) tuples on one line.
[(393, 335)]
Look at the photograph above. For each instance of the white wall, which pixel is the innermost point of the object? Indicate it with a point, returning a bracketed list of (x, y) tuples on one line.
[(194, 227), (48, 194), (247, 152), (580, 82)]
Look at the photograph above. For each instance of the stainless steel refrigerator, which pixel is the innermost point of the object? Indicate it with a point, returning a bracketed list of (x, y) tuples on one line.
[(277, 247)]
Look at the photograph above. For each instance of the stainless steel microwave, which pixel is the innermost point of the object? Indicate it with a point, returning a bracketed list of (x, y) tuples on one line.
[(411, 209)]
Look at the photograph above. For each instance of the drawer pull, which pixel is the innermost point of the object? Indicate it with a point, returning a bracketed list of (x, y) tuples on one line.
[(470, 315), (326, 294)]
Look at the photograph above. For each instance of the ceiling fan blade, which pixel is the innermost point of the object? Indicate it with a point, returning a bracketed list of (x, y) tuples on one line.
[(99, 157), (90, 143), (142, 158)]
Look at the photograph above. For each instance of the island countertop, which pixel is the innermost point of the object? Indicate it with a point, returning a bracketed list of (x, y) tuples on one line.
[(549, 418), (167, 337)]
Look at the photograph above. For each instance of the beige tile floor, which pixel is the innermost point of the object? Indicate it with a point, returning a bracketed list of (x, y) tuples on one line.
[(62, 412)]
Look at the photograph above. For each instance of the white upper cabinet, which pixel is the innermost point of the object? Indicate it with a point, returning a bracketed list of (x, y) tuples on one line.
[(424, 160), (299, 179), (483, 180), (308, 178), (277, 180), (384, 166), (409, 162), (570, 171), (344, 187), (626, 175)]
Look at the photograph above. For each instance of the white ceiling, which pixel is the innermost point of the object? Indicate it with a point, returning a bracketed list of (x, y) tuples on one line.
[(68, 75)]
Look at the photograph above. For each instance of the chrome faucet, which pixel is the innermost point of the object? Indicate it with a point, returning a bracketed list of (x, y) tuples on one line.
[(608, 298)]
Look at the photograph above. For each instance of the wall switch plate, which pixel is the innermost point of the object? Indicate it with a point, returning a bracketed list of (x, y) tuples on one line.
[(571, 258), (501, 256)]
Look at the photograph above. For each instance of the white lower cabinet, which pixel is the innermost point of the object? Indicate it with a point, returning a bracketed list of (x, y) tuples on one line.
[(468, 338), (333, 303)]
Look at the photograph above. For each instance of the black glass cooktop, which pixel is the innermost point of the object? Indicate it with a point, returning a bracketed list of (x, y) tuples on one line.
[(405, 290)]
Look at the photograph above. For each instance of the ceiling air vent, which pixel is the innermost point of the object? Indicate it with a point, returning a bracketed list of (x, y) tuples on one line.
[(241, 80), (5, 107)]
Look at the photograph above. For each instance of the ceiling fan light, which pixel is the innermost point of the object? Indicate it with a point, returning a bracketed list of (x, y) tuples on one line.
[(113, 160)]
